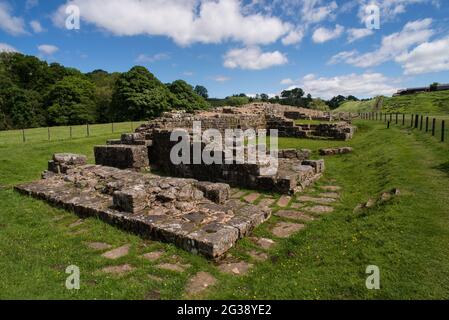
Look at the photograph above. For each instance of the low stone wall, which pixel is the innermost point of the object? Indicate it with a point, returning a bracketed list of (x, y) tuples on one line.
[(122, 156)]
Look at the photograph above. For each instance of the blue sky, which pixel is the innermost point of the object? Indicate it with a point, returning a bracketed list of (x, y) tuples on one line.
[(253, 46)]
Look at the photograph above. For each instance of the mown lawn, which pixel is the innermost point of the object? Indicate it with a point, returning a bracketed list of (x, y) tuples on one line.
[(407, 238)]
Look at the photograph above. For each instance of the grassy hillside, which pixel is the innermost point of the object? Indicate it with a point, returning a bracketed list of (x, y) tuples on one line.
[(434, 103), (407, 238)]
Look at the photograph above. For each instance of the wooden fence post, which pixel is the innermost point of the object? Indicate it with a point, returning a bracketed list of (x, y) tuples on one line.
[(416, 121), (433, 127), (48, 133), (421, 123), (388, 125), (23, 135), (70, 132), (443, 130), (403, 119), (427, 124), (112, 127), (397, 118), (88, 131)]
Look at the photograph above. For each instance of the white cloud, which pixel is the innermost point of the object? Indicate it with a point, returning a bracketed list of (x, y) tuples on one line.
[(389, 9), (253, 58), (360, 85), (188, 73), (10, 24), (184, 21), (293, 37), (4, 47), (322, 35), (426, 58), (393, 45), (221, 79), (356, 34), (312, 12), (287, 81), (143, 58), (47, 49), (36, 26)]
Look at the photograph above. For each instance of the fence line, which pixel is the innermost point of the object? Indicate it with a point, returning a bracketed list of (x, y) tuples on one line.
[(66, 132), (435, 125)]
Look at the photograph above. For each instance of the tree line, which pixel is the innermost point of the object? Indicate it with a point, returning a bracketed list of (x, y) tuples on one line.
[(34, 93)]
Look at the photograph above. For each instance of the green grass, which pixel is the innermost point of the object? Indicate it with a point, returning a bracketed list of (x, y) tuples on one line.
[(407, 238), (434, 103), (63, 132)]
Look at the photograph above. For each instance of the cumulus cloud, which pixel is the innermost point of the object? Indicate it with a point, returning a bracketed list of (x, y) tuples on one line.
[(252, 58), (287, 81), (426, 58), (322, 35), (314, 12), (47, 49), (357, 34), (393, 45), (360, 85), (4, 47), (143, 58), (36, 26), (294, 37), (184, 21), (8, 23)]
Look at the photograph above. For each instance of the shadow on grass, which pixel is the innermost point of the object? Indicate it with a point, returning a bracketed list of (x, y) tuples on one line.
[(444, 167)]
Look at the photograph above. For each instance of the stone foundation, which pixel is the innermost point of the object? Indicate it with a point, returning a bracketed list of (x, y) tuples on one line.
[(196, 216)]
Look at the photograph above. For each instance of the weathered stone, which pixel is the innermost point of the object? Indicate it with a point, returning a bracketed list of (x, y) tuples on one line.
[(335, 151), (235, 268), (70, 159), (284, 201), (200, 282), (258, 256), (331, 188), (297, 205), (267, 202), (264, 243), (332, 195), (76, 224), (319, 209), (122, 156), (294, 215), (117, 253), (99, 246), (286, 229), (153, 256), (118, 269), (173, 267), (316, 200), (251, 198)]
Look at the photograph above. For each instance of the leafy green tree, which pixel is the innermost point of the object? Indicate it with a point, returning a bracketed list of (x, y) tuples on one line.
[(186, 98), (104, 88), (139, 95), (238, 100), (202, 91), (71, 101)]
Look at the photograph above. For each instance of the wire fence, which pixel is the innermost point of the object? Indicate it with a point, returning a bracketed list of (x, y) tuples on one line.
[(65, 132), (436, 126)]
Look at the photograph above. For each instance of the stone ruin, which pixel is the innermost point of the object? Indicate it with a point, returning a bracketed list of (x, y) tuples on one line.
[(190, 206)]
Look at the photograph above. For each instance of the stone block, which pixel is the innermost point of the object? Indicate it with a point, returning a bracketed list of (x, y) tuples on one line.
[(122, 156)]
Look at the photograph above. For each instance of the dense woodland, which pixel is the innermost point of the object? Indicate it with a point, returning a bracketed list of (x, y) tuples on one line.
[(34, 93)]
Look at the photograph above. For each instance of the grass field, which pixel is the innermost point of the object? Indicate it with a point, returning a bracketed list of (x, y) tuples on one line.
[(407, 238), (65, 132), (433, 103)]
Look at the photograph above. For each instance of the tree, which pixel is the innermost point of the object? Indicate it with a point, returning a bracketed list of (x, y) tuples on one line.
[(264, 97), (185, 97), (71, 101), (201, 91), (139, 95), (335, 102), (434, 86)]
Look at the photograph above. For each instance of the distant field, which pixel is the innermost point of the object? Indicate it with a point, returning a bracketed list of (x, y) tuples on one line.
[(63, 132), (434, 103)]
